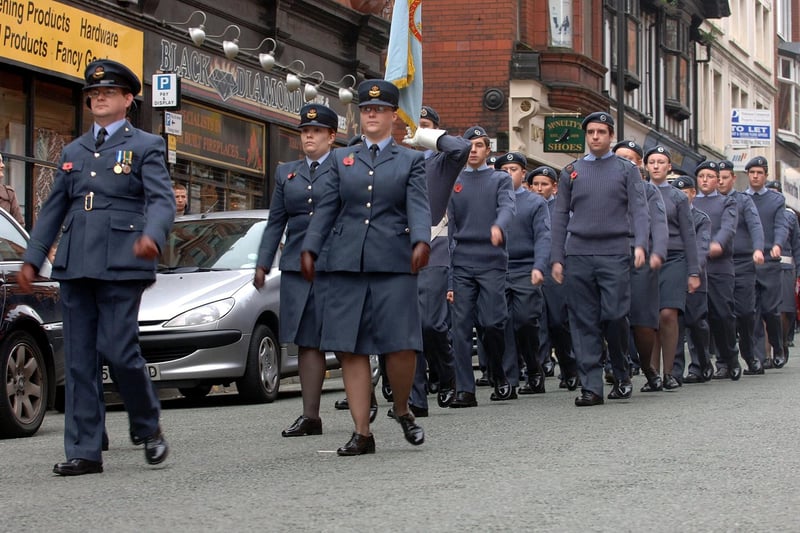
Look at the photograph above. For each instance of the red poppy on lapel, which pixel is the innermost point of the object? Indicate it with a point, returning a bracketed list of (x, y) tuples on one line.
[(573, 175), (291, 175), (66, 167), (458, 187), (348, 161)]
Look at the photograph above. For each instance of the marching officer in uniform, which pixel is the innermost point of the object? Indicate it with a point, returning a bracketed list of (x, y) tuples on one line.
[(770, 206), (600, 197), (375, 215), (445, 156), (113, 202), (748, 245), (298, 188)]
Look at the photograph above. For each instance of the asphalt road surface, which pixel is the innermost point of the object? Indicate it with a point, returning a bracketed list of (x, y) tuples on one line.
[(721, 456)]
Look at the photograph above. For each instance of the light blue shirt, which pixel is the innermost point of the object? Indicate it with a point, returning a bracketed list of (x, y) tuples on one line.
[(751, 192), (470, 169), (320, 160), (592, 157), (111, 129)]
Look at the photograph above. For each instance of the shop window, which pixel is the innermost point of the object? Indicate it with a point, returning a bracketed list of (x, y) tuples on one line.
[(675, 47), (789, 96), (632, 29), (213, 188), (12, 129)]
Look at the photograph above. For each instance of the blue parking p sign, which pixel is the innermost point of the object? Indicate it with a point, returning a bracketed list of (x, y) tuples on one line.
[(166, 91)]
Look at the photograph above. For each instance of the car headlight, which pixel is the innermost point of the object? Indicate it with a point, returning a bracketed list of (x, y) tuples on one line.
[(205, 314)]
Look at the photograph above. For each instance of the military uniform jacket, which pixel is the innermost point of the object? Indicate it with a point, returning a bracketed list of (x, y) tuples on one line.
[(101, 213), (372, 214), (294, 199)]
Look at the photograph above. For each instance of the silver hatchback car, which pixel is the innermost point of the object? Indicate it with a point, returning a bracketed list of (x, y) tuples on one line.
[(203, 323)]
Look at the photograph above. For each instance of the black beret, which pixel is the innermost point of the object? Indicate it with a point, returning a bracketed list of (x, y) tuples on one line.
[(378, 92), (108, 73), (474, 132), (707, 164), (776, 185), (630, 145), (429, 113), (657, 150), (600, 116), (491, 160), (683, 182), (511, 157), (541, 171), (318, 115), (757, 161), (725, 165)]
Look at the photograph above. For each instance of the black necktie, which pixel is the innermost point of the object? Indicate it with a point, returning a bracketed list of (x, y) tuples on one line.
[(101, 137), (313, 167), (374, 151)]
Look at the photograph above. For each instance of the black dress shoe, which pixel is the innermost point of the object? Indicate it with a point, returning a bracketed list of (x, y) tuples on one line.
[(670, 382), (621, 390), (413, 433), (573, 383), (693, 378), (463, 399), (562, 384), (445, 397), (708, 373), (420, 412), (535, 385), (358, 445), (588, 398), (653, 383), (513, 396), (502, 391), (341, 405), (609, 377), (156, 448), (549, 368), (433, 387), (735, 373), (136, 441), (754, 368), (482, 381), (303, 426), (78, 467), (778, 361), (768, 363), (721, 373), (386, 390)]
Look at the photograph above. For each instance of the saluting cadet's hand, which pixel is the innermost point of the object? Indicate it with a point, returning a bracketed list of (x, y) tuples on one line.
[(714, 249), (758, 257), (307, 266), (775, 252), (694, 284), (558, 273), (497, 236), (410, 139), (655, 261), (638, 257), (258, 278), (420, 256), (537, 278), (145, 248), (25, 278)]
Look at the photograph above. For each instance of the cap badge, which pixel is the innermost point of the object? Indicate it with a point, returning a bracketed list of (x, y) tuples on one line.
[(603, 118), (632, 144), (374, 92), (477, 132), (99, 72), (312, 113), (423, 113), (509, 157)]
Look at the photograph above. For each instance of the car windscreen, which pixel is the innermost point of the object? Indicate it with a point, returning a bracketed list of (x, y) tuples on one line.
[(213, 244)]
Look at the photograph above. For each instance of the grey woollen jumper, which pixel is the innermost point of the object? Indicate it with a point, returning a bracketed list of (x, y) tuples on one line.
[(480, 200), (529, 239), (605, 198), (749, 231), (770, 206), (681, 225), (724, 218)]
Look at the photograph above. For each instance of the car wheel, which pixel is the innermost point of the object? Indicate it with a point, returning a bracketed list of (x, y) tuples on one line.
[(24, 403), (195, 393), (262, 377)]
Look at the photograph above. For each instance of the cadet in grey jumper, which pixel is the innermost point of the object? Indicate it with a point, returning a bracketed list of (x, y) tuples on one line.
[(604, 195), (723, 214), (480, 212), (770, 206), (748, 246)]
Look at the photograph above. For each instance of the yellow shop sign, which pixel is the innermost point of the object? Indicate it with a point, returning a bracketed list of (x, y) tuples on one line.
[(60, 38)]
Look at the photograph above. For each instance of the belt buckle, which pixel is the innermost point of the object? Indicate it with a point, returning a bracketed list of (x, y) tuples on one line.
[(88, 202)]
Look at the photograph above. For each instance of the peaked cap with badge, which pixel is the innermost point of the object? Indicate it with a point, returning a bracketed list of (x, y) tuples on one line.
[(318, 115), (378, 92)]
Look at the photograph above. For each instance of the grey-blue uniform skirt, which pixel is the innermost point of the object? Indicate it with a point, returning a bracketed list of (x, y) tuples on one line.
[(371, 313), (301, 308), (672, 281)]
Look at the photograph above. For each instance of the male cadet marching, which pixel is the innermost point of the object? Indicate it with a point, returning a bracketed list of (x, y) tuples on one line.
[(770, 206), (748, 244), (604, 194), (790, 258), (112, 200), (644, 281), (528, 256), (480, 212), (553, 325), (695, 316), (719, 267), (445, 156)]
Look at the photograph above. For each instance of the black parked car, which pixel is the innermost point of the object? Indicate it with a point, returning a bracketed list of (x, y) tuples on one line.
[(31, 341)]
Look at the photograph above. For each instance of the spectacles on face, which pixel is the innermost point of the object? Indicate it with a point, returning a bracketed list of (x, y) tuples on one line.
[(107, 92), (375, 109)]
